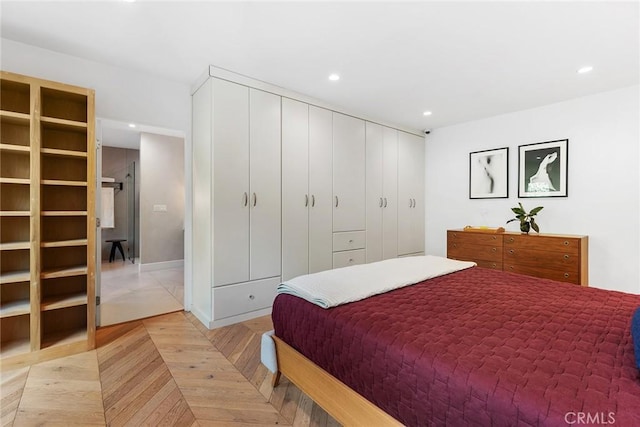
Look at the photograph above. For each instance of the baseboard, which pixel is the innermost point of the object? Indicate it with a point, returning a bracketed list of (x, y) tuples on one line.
[(152, 266), (201, 316), (239, 318)]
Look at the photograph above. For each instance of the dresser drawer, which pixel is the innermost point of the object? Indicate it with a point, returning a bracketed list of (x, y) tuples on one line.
[(471, 252), (543, 243), (347, 258), (494, 265), (233, 300), (467, 237), (566, 275), (541, 259), (349, 240)]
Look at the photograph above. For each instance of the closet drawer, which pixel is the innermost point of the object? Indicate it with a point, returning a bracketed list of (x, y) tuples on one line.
[(347, 258), (348, 240), (233, 300)]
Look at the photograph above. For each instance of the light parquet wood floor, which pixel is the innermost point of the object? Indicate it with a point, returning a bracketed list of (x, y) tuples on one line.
[(166, 370)]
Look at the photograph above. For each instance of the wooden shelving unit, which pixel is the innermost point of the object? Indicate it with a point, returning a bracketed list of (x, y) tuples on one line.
[(47, 210)]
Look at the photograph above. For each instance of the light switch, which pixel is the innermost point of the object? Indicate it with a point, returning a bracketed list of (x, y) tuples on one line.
[(159, 208)]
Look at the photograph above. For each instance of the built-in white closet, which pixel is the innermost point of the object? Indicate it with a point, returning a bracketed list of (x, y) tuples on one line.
[(284, 186)]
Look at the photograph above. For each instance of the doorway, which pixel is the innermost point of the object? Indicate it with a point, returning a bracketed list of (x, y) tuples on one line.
[(129, 284)]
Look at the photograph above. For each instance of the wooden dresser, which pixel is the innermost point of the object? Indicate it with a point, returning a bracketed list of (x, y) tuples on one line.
[(551, 256)]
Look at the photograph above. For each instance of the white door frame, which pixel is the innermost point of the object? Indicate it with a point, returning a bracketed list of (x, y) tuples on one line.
[(100, 124), (98, 213)]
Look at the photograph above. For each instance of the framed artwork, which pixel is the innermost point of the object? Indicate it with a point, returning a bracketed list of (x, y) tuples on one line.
[(542, 169), (489, 174)]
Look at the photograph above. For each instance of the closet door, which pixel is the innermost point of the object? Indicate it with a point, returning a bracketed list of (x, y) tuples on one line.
[(230, 182), (410, 193), (320, 189), (348, 173), (264, 201), (389, 193), (295, 188), (419, 201), (375, 199)]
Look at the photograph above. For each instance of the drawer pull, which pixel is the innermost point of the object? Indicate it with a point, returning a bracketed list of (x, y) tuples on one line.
[(566, 243), (252, 297), (494, 265), (511, 239), (493, 249), (455, 245), (511, 268), (566, 257), (350, 260), (350, 240), (511, 251), (493, 237), (566, 275)]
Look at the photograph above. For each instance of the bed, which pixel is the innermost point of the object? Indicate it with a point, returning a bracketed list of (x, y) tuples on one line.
[(473, 347)]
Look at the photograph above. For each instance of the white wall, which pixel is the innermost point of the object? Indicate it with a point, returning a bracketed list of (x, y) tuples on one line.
[(603, 185), (121, 94), (162, 184)]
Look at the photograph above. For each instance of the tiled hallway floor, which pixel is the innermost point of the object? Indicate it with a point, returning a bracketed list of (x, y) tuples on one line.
[(127, 294)]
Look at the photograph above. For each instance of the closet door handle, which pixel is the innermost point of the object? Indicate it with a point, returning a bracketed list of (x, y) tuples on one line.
[(410, 203), (336, 201), (385, 202), (245, 199), (313, 200), (306, 200), (414, 203), (380, 204), (255, 200)]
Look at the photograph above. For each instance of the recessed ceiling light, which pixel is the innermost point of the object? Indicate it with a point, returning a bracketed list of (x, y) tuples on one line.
[(585, 69), (132, 125), (334, 77), (426, 113)]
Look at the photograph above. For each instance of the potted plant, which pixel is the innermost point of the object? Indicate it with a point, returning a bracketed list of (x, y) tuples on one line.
[(527, 222)]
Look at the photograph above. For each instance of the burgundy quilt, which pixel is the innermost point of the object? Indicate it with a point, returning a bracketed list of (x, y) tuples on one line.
[(478, 347)]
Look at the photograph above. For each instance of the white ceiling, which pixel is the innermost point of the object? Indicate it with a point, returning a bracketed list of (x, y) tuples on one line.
[(460, 60)]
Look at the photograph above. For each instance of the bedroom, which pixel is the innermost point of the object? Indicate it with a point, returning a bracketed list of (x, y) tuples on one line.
[(592, 122)]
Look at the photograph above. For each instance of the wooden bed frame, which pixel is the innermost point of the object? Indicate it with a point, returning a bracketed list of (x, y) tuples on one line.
[(342, 403)]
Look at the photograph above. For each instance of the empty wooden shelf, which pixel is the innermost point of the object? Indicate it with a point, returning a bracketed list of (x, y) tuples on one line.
[(47, 214)]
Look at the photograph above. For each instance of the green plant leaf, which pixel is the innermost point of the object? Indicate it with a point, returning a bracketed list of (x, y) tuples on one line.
[(517, 210), (535, 226), (511, 220), (535, 210)]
